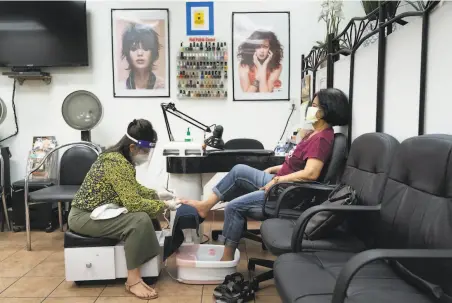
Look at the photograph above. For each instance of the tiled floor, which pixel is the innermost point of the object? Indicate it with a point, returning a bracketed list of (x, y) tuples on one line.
[(38, 275)]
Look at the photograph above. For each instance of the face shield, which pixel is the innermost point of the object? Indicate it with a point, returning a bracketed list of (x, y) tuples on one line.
[(145, 151)]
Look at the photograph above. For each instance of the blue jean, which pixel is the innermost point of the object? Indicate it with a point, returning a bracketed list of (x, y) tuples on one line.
[(241, 187)]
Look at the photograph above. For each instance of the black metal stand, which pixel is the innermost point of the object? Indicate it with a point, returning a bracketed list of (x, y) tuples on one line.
[(268, 275), (86, 135)]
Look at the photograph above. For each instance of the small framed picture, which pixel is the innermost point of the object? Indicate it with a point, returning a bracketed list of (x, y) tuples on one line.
[(199, 18), (140, 53), (261, 56), (306, 89)]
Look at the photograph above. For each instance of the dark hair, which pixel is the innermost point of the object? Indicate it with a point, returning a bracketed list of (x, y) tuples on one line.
[(137, 34), (334, 104), (246, 49), (140, 129)]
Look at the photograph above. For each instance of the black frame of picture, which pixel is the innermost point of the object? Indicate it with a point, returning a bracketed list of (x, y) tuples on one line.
[(233, 55), (168, 73)]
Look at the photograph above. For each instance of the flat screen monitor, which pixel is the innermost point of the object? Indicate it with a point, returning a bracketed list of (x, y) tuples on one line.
[(37, 34)]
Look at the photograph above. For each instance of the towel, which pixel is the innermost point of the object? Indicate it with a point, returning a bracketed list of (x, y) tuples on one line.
[(107, 211)]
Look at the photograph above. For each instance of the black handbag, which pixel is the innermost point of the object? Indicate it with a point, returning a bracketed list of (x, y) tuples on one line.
[(323, 222)]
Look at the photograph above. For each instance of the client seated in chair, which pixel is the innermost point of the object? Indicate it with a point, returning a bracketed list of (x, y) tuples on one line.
[(245, 187), (111, 180)]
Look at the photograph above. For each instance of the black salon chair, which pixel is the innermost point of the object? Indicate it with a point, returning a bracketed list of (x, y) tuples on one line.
[(73, 167), (243, 143), (411, 260), (5, 186), (330, 174), (366, 171)]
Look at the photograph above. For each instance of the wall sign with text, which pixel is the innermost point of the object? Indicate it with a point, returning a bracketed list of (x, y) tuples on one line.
[(200, 21)]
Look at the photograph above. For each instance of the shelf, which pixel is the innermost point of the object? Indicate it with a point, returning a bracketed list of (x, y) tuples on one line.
[(22, 76)]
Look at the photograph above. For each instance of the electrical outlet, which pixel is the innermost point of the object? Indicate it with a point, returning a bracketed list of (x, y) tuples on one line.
[(292, 104)]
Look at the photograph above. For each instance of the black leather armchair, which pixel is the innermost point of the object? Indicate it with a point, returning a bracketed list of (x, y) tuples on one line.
[(283, 198), (366, 171), (410, 260), (73, 167)]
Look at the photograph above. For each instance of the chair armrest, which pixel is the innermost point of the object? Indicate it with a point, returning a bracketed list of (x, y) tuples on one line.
[(368, 256), (285, 192), (302, 221)]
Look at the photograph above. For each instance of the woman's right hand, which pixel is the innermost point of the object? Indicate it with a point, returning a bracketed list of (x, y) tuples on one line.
[(172, 204)]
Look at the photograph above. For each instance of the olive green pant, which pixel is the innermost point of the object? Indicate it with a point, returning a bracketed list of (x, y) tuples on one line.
[(135, 229)]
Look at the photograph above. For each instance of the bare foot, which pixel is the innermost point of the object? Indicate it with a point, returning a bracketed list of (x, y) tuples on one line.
[(227, 259), (141, 290), (201, 207)]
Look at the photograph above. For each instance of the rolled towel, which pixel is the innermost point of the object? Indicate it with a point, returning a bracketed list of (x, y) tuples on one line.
[(107, 211)]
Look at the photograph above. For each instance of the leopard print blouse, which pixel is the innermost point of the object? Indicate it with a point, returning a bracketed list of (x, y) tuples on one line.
[(112, 179)]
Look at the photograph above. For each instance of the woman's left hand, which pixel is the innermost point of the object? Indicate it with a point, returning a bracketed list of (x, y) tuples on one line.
[(269, 57), (268, 185)]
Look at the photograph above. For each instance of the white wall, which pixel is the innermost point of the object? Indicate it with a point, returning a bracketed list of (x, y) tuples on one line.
[(402, 79), (439, 65), (39, 105)]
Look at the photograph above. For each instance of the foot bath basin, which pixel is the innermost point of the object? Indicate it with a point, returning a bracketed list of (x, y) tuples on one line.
[(200, 264)]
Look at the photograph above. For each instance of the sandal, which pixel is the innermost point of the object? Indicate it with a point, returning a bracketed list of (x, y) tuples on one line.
[(247, 294), (231, 284), (128, 287)]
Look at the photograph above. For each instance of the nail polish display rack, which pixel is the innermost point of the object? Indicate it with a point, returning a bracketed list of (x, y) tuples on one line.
[(202, 70)]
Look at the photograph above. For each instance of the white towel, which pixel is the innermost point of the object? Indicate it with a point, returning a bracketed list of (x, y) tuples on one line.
[(107, 211)]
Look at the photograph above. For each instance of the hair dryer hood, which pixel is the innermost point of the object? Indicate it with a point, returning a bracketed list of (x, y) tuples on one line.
[(2, 111), (82, 110)]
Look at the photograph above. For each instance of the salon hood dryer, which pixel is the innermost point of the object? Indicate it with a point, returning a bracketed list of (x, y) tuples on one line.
[(82, 111)]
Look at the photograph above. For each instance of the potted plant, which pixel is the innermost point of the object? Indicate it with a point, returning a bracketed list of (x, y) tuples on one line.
[(369, 6), (332, 15)]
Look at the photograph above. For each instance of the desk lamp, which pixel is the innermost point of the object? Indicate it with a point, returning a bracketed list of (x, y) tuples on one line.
[(214, 141)]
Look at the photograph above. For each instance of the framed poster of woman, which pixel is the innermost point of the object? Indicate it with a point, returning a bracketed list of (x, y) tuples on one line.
[(140, 52), (261, 56)]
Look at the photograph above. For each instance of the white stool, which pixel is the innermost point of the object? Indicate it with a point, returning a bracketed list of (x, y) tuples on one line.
[(89, 259)]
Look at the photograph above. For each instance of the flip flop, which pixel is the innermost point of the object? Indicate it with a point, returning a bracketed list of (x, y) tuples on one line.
[(128, 287), (231, 284), (247, 294)]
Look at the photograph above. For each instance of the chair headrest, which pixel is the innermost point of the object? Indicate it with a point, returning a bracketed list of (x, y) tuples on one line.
[(425, 163), (372, 152)]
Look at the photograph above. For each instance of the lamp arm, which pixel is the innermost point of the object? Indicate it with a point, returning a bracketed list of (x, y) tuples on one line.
[(168, 127), (171, 108)]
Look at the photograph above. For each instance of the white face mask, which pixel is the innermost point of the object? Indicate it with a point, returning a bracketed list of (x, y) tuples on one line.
[(140, 159), (311, 115)]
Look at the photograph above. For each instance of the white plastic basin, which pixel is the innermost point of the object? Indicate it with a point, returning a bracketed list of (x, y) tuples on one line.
[(200, 264)]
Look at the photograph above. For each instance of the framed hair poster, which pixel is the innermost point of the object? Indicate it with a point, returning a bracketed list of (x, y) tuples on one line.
[(261, 56), (140, 53)]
